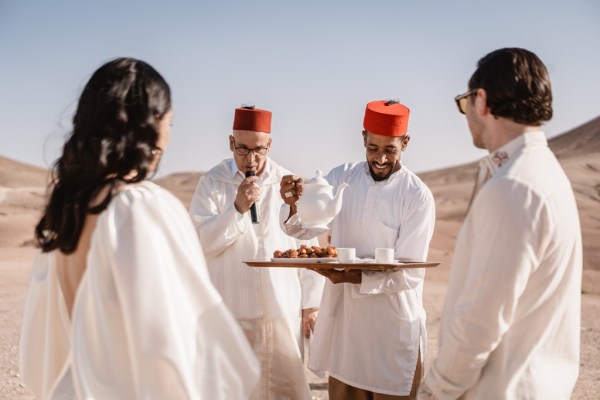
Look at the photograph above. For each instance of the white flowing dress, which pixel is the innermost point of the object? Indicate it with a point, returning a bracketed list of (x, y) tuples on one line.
[(146, 322)]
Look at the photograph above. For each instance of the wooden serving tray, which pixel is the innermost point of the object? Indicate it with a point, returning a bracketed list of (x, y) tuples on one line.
[(372, 266)]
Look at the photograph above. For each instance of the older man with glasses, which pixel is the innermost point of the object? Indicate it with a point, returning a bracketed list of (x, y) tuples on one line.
[(235, 210)]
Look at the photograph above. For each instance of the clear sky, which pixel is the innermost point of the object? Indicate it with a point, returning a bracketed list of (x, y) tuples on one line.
[(315, 64)]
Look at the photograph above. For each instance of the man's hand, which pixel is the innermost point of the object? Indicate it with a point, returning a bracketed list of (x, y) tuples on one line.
[(290, 190), (247, 194), (309, 317), (345, 276)]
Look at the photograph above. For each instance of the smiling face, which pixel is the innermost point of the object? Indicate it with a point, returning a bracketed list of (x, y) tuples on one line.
[(384, 153)]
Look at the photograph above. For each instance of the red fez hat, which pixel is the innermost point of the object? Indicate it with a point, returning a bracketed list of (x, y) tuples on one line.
[(252, 119), (386, 118)]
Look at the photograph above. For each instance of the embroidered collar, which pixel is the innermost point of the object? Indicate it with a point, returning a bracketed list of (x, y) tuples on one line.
[(499, 157), (502, 156)]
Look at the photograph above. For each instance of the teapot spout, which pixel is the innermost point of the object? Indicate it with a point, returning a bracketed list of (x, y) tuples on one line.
[(337, 199)]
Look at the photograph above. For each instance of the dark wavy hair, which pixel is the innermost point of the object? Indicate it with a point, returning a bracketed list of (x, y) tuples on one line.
[(115, 131), (517, 85)]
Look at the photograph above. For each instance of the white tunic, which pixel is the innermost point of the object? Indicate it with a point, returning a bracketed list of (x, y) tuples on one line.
[(368, 335), (147, 323), (267, 300), (510, 327)]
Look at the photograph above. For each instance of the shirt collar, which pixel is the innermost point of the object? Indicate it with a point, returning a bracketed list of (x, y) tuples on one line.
[(496, 160)]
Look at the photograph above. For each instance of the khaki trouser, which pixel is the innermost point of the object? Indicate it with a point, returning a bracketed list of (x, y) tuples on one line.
[(340, 391)]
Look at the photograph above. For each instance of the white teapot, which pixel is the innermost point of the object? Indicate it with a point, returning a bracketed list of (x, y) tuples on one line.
[(318, 206)]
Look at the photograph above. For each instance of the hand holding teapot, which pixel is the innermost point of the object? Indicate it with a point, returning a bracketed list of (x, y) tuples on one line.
[(314, 200), (290, 190)]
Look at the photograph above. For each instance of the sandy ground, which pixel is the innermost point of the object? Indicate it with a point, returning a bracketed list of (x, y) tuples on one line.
[(15, 265)]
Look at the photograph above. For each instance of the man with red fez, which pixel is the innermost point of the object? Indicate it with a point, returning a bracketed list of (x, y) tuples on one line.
[(276, 307), (370, 335)]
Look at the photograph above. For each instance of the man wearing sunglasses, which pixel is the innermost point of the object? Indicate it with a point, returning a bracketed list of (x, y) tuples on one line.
[(510, 326), (235, 210)]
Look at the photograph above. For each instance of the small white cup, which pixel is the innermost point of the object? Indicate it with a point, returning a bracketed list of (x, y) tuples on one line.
[(384, 256), (346, 255)]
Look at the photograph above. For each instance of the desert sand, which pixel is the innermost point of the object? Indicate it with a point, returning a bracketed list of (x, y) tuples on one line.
[(22, 193)]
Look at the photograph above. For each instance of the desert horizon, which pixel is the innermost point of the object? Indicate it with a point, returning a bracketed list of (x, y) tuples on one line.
[(22, 195)]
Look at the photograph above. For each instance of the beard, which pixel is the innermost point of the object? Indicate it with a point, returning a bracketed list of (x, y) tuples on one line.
[(378, 176)]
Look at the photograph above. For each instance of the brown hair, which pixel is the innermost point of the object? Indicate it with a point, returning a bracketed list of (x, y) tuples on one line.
[(517, 85)]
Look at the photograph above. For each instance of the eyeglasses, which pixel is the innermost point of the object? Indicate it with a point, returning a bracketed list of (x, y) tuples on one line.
[(244, 151), (461, 100)]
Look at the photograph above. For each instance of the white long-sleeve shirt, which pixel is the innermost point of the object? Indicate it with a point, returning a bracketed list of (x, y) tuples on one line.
[(229, 238), (146, 322), (510, 327), (368, 335), (256, 296)]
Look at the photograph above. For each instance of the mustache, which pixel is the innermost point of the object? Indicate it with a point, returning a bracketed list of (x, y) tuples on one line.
[(377, 174), (387, 164)]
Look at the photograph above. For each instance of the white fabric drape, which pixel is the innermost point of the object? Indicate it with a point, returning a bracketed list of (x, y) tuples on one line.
[(147, 323)]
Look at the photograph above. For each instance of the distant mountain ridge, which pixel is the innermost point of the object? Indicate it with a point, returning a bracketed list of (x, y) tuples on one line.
[(584, 139), (16, 174)]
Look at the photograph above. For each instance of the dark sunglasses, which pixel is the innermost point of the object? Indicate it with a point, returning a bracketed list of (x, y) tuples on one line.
[(461, 100)]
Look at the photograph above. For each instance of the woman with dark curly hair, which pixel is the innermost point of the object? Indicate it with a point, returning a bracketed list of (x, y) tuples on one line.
[(120, 305)]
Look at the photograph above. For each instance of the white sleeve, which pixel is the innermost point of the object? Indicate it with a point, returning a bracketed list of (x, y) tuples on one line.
[(217, 229), (412, 245), (148, 322), (502, 257), (293, 226)]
